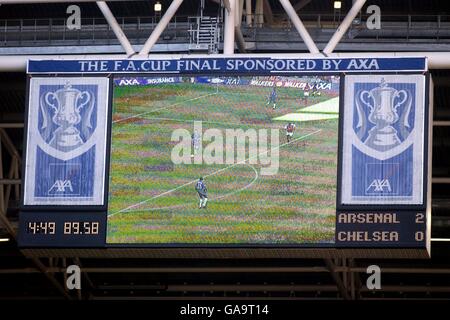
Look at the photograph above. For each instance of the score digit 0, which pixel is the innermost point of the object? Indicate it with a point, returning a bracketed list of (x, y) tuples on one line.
[(419, 236)]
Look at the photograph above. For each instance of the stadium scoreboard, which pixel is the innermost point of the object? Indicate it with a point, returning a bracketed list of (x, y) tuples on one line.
[(105, 163)]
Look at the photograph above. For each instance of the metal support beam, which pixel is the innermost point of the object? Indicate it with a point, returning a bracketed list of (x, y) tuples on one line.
[(3, 204), (339, 283), (243, 288), (4, 140), (55, 283), (343, 27), (11, 125), (47, 1), (441, 123), (240, 41), (85, 274), (239, 10), (248, 12), (226, 4), (123, 270), (160, 27), (301, 4), (10, 181), (259, 17), (309, 42), (237, 26), (7, 225), (267, 10), (228, 42), (9, 145), (116, 28)]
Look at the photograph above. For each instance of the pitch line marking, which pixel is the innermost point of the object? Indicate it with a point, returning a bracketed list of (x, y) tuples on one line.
[(163, 108), (212, 198), (206, 121), (211, 174)]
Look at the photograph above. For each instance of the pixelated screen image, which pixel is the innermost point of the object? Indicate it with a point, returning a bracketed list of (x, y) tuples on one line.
[(223, 160)]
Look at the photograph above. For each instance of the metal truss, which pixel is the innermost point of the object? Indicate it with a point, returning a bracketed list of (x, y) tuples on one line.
[(233, 18), (11, 185), (235, 12), (344, 281), (344, 274)]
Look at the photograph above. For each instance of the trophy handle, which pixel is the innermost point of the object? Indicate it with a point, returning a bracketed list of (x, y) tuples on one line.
[(398, 94), (88, 95), (86, 124), (52, 95), (364, 101)]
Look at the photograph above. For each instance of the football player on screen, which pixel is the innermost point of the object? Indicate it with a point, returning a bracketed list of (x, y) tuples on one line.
[(290, 128), (272, 98), (305, 96), (202, 191)]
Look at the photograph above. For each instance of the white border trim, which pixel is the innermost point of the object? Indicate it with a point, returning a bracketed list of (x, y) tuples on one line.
[(416, 137), (98, 139)]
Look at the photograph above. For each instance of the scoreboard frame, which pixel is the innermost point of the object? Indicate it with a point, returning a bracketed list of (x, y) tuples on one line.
[(401, 209), (239, 250)]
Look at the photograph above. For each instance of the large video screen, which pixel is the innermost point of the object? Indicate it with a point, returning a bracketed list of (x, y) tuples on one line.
[(223, 160), (228, 153)]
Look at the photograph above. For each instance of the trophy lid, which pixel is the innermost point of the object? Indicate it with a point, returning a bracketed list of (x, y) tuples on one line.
[(383, 87), (67, 89)]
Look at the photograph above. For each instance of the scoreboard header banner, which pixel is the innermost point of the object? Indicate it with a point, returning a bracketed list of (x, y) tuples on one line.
[(255, 65)]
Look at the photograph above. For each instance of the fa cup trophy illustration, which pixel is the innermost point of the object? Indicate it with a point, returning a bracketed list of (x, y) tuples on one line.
[(383, 103), (67, 104)]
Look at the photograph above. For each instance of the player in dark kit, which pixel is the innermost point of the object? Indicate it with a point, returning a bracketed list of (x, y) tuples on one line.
[(202, 191), (272, 98)]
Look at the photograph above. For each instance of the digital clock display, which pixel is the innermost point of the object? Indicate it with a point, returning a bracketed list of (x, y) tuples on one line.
[(59, 229), (72, 227), (41, 227), (81, 227)]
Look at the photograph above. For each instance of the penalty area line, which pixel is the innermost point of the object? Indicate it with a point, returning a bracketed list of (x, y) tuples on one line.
[(163, 108), (235, 124), (255, 178), (211, 174)]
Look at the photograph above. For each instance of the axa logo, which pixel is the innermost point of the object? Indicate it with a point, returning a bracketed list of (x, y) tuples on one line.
[(128, 82), (61, 186), (380, 185)]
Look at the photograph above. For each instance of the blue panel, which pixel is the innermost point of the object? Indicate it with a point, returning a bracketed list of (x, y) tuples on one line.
[(66, 139), (374, 229), (377, 178), (228, 65), (64, 179), (383, 156)]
